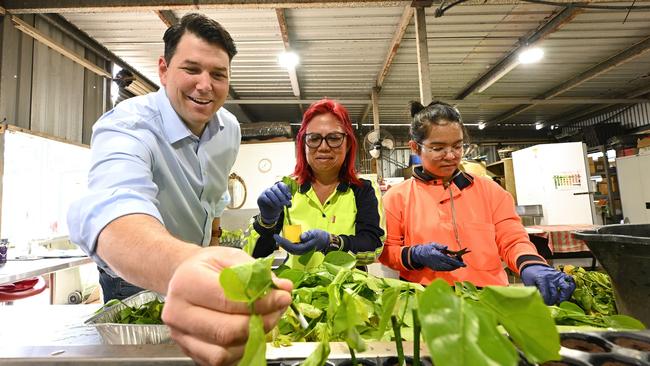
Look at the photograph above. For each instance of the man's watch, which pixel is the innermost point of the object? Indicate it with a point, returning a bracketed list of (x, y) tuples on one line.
[(335, 243)]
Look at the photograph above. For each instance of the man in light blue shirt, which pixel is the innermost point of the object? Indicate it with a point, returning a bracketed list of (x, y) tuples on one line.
[(157, 185)]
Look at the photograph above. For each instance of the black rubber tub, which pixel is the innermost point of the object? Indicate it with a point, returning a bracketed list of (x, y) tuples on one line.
[(624, 252)]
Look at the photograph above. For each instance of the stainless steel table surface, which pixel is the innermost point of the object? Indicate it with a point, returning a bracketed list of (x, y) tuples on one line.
[(56, 335), (20, 269)]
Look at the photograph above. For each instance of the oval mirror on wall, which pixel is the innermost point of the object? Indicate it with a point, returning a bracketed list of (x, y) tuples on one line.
[(237, 191)]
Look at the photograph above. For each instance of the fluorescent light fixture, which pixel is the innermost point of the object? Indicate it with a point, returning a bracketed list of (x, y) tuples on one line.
[(288, 60), (539, 126), (481, 125), (531, 55), (493, 79)]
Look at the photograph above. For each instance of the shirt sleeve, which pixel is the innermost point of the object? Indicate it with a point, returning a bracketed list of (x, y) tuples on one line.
[(265, 244), (119, 183), (391, 256), (220, 207), (515, 247), (366, 243)]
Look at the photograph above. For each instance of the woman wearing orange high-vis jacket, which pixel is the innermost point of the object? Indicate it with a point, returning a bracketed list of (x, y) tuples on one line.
[(442, 210)]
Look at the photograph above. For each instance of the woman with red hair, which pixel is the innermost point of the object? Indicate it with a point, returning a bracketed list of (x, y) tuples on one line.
[(336, 209)]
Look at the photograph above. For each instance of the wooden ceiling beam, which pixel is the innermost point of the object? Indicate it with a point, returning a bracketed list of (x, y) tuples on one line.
[(284, 31), (403, 24), (167, 16), (56, 46), (510, 61)]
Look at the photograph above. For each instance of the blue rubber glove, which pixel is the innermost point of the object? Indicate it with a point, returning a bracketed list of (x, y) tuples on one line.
[(555, 286), (272, 200), (316, 239), (432, 255)]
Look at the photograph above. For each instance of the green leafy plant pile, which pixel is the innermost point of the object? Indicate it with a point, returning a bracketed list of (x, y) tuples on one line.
[(147, 313), (231, 238), (464, 326), (592, 303)]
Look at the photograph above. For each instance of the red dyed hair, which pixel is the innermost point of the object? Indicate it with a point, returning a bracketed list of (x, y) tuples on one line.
[(303, 172)]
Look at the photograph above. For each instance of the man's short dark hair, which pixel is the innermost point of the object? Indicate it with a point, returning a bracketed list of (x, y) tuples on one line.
[(201, 26)]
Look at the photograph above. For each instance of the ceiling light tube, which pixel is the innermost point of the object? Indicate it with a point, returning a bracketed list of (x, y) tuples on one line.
[(288, 60), (530, 55)]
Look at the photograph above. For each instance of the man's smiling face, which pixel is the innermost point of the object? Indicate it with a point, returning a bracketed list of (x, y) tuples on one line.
[(196, 80)]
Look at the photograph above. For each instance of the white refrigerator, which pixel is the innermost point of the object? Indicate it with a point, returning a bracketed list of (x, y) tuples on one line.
[(556, 177)]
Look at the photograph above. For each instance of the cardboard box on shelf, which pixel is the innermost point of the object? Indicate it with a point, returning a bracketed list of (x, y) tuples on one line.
[(600, 164), (592, 167), (614, 183), (602, 187)]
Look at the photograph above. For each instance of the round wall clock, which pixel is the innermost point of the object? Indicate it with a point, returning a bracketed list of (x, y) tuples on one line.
[(264, 165)]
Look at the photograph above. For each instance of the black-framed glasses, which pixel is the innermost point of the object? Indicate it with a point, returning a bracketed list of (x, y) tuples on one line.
[(333, 139)]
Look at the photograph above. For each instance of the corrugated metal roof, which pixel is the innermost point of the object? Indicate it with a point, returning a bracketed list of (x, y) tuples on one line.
[(342, 51)]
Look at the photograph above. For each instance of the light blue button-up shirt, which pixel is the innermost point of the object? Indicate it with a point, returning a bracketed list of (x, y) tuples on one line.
[(145, 160)]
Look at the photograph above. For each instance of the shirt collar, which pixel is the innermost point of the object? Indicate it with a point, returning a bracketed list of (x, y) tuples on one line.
[(461, 179), (342, 187), (173, 127)]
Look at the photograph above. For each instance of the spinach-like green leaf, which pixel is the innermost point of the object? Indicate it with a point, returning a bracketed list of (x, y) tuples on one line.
[(306, 262), (255, 350), (621, 321), (294, 275), (527, 320), (451, 328), (334, 261), (247, 282), (291, 183), (496, 347), (320, 354)]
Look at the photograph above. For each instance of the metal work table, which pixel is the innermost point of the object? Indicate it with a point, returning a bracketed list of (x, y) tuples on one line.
[(55, 334), (20, 269)]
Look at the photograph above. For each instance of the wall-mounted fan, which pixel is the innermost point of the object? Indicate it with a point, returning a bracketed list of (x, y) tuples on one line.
[(379, 144)]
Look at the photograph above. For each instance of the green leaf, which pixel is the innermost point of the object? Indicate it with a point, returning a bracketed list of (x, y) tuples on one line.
[(625, 322), (388, 301), (255, 350), (494, 344), (451, 329), (306, 262), (291, 183), (320, 354), (247, 282), (340, 259), (294, 275), (527, 320)]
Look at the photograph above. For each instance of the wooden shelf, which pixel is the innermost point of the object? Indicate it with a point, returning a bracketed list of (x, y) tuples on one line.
[(503, 170)]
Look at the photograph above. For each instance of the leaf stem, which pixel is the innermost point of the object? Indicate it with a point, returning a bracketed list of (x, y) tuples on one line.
[(416, 338), (353, 357), (398, 340), (286, 212)]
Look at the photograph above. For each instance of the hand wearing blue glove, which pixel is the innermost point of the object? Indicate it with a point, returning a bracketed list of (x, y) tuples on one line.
[(432, 255), (309, 240), (555, 286), (272, 201)]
